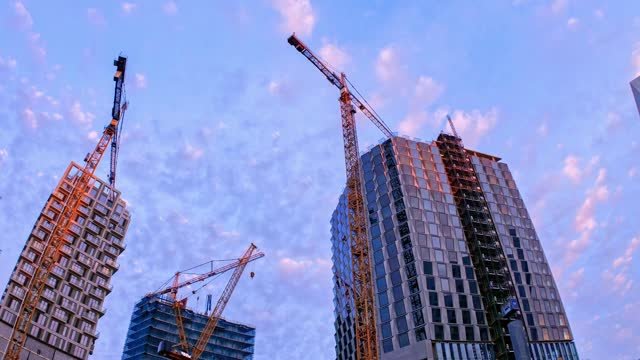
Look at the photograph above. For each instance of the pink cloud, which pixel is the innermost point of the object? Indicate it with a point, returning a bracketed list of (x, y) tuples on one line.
[(22, 18), (297, 15), (80, 117), (388, 67), (572, 168), (427, 91), (128, 7), (337, 57)]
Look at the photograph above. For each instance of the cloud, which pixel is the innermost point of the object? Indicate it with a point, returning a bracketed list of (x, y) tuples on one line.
[(80, 117), (4, 154), (192, 152), (334, 55), (575, 281), (474, 125), (170, 8), (413, 123), (572, 168), (36, 47), (128, 7), (8, 64), (625, 260), (388, 67), (21, 17), (298, 16), (427, 91), (585, 221), (140, 81), (96, 17), (28, 118), (573, 23), (92, 135)]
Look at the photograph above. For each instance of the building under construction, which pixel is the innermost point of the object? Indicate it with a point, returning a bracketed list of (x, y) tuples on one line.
[(153, 321), (54, 299)]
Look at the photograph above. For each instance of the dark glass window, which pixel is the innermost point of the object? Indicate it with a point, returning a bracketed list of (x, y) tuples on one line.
[(469, 272), (521, 291), (480, 317), (386, 330), (525, 305), (398, 294), (448, 300), (477, 303), (396, 279), (431, 283), (459, 285), (406, 242), (462, 299), (408, 256), (468, 333), (375, 231), (466, 260), (525, 266), (438, 332), (534, 334), (399, 205), (390, 237), (512, 232), (403, 229), (520, 254), (518, 278), (401, 324), (394, 264), (391, 250), (384, 314), (401, 216), (386, 212), (380, 270), (428, 267), (455, 334), (455, 270), (466, 317), (378, 256), (382, 284), (514, 265), (376, 243), (403, 340), (530, 319), (473, 287), (433, 299), (421, 334), (383, 299), (387, 345), (436, 315), (451, 316), (399, 308), (516, 242)]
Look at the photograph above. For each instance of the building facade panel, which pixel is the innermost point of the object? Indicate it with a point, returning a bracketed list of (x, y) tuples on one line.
[(65, 323)]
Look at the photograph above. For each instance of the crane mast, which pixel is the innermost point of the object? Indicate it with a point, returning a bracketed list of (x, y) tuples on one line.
[(82, 183), (362, 288)]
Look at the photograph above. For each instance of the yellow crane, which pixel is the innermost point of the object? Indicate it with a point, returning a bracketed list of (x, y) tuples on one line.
[(186, 351), (362, 287)]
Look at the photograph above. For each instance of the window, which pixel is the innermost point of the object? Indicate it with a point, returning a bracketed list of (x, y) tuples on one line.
[(431, 283), (436, 315), (403, 340), (387, 345), (455, 334), (382, 284), (398, 294), (401, 324), (399, 308), (455, 270), (384, 314), (466, 317), (444, 283), (438, 332), (433, 299), (386, 330), (473, 287), (468, 333), (480, 317), (418, 318), (396, 279), (484, 334), (439, 255), (421, 334), (459, 286), (442, 270), (383, 299), (477, 303), (448, 300), (428, 267), (462, 300), (451, 316)]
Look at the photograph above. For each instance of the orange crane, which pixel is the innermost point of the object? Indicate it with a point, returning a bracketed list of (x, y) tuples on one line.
[(183, 354), (362, 287), (82, 183)]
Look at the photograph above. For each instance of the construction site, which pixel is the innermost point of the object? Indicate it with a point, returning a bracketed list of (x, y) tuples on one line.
[(434, 257)]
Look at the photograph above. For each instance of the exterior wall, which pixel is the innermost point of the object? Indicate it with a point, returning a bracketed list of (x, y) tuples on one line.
[(427, 295), (543, 313), (71, 305), (153, 320)]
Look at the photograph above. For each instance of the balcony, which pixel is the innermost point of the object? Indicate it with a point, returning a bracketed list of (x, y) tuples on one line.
[(58, 195), (93, 239), (101, 209), (84, 259), (93, 227), (76, 229), (56, 205), (77, 269), (36, 245), (114, 265), (76, 282), (84, 210), (66, 186), (99, 219)]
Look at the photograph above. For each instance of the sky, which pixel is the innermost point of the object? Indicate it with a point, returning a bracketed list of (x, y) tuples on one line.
[(232, 137)]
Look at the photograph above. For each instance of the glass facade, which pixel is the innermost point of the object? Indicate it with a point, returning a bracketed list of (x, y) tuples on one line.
[(153, 320), (428, 299)]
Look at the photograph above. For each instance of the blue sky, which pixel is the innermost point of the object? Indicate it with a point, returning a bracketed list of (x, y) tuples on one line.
[(233, 137)]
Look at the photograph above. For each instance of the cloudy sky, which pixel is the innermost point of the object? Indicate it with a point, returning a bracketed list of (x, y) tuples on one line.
[(233, 137)]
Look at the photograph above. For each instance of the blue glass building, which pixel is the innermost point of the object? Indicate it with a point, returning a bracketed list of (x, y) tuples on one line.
[(635, 89), (153, 320)]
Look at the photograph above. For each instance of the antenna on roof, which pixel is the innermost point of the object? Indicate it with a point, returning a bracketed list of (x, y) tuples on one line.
[(453, 128)]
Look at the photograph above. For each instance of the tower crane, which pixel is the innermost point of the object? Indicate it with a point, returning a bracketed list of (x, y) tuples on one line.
[(81, 184), (362, 287), (183, 354)]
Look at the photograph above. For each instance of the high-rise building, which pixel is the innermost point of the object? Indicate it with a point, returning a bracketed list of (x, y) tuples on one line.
[(451, 242), (635, 89), (154, 321), (64, 326)]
